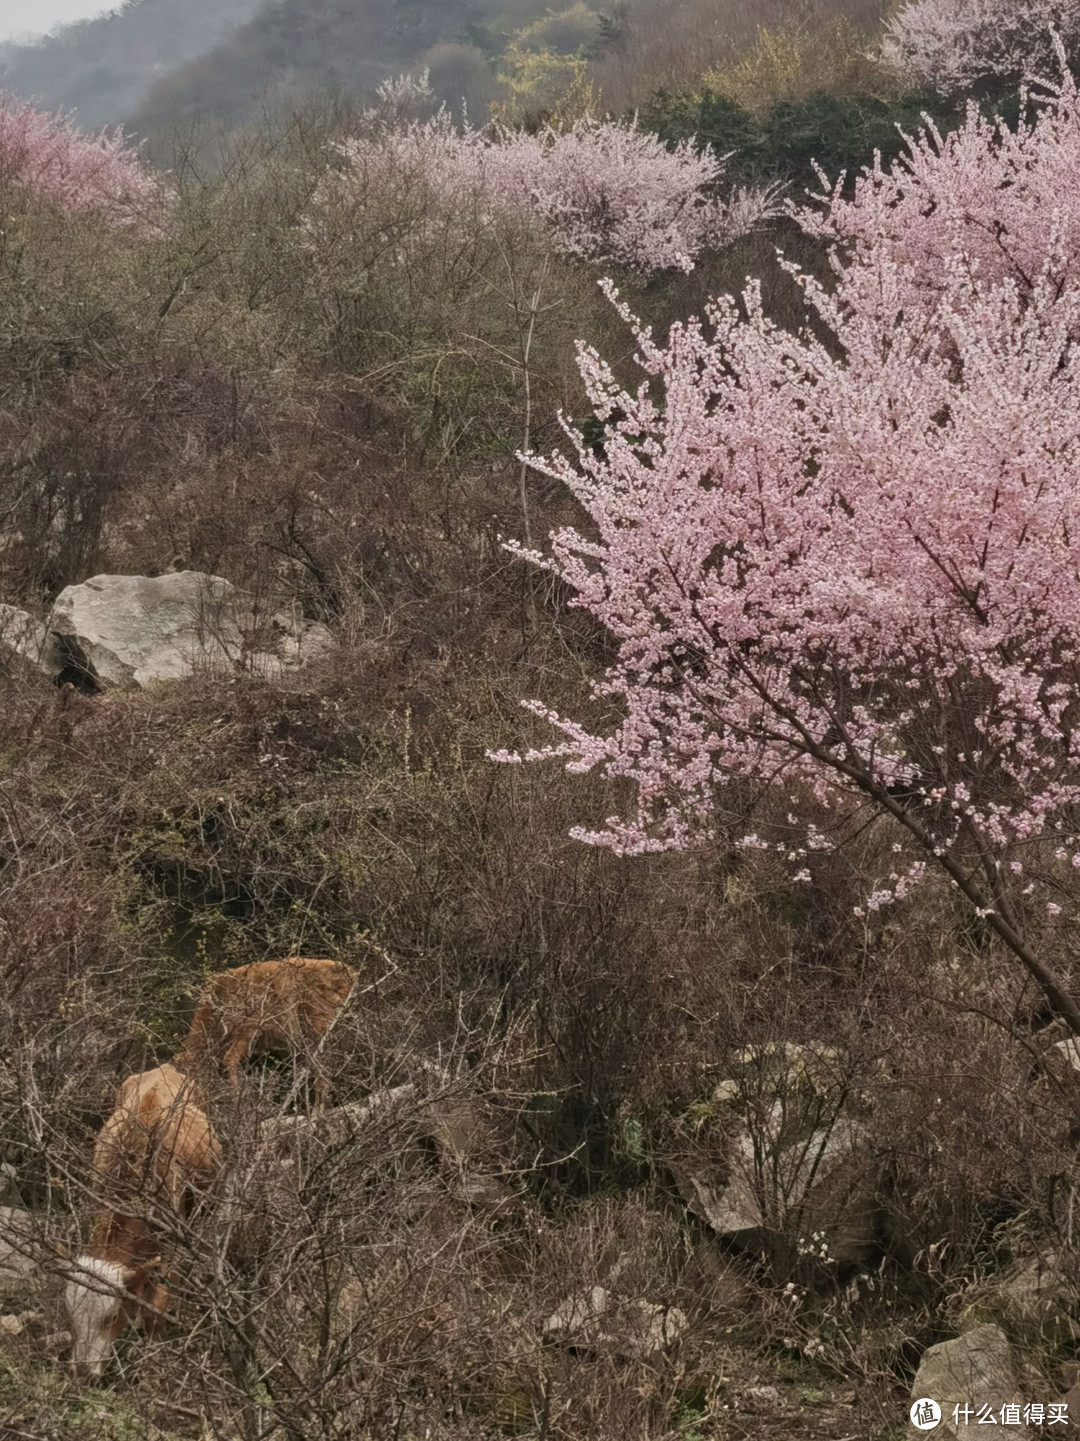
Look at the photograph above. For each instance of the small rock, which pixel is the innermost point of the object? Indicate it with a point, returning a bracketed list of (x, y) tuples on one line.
[(815, 1065), (21, 634), (1036, 1300), (459, 1126), (762, 1398), (300, 641), (826, 1179), (12, 1325)]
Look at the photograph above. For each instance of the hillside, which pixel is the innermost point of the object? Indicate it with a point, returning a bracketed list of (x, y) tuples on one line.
[(159, 63), (606, 604), (159, 67), (523, 57), (103, 67), (296, 48)]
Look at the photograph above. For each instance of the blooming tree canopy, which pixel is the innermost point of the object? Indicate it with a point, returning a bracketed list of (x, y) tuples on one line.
[(999, 203), (603, 190), (846, 564), (949, 46), (52, 160)]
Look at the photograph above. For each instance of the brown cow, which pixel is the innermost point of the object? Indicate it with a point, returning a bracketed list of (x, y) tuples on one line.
[(153, 1154), (286, 1005)]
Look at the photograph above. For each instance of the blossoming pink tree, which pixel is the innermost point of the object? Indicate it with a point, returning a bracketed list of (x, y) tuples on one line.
[(603, 190), (48, 157), (848, 568), (999, 203), (949, 46)]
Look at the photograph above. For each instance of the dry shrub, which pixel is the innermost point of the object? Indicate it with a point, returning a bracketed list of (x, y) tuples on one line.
[(791, 62), (263, 332), (667, 46), (93, 446), (428, 304), (591, 1002)]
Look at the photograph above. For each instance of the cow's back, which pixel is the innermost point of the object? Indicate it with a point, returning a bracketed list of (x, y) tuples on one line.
[(286, 1002), (157, 1140), (156, 1089)]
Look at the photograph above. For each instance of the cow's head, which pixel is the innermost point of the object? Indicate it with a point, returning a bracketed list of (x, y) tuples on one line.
[(101, 1298)]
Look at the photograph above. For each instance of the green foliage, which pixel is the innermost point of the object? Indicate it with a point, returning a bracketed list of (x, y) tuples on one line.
[(710, 119), (839, 132), (562, 32), (295, 49), (541, 83)]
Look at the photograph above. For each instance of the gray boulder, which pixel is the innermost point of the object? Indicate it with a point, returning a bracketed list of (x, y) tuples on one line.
[(820, 1188), (133, 630), (600, 1323), (1064, 1057), (975, 1370), (1037, 1302), (399, 1121), (21, 634)]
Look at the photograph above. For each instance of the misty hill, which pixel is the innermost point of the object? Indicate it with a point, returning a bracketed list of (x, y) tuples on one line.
[(103, 67), (295, 47), (155, 63)]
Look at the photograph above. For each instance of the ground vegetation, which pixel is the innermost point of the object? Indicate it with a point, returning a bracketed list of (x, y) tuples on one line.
[(650, 1140)]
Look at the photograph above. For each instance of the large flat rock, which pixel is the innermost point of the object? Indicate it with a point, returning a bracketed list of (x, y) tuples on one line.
[(133, 630)]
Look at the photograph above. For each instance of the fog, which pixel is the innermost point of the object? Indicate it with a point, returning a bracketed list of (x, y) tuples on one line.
[(20, 19)]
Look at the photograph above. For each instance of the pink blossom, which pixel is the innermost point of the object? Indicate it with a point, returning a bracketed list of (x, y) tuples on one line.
[(851, 556), (603, 190), (950, 45), (991, 202), (48, 157)]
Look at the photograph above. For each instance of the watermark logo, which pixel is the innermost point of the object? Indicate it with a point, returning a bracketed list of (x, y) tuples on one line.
[(925, 1414)]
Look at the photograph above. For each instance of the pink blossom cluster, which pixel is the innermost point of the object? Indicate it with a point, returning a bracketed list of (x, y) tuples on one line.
[(949, 46), (858, 559), (604, 191), (48, 157), (845, 564), (995, 202)]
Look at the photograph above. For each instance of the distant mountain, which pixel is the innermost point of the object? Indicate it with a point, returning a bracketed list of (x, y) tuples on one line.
[(294, 47), (104, 67), (160, 64)]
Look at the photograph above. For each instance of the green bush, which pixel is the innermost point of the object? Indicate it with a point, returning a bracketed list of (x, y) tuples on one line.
[(839, 132)]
